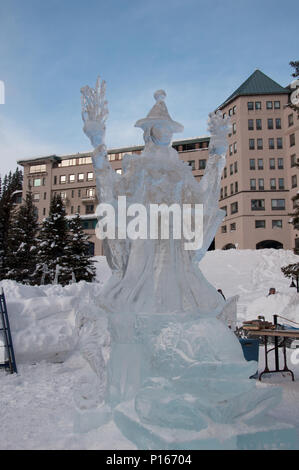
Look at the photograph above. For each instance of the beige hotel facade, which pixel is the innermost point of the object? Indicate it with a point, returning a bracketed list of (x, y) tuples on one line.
[(258, 182)]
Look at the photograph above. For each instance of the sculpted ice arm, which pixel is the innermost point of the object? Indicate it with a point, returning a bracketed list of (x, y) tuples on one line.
[(210, 183), (94, 115)]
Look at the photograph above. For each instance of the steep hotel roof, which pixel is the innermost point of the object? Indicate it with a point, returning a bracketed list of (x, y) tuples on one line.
[(257, 84)]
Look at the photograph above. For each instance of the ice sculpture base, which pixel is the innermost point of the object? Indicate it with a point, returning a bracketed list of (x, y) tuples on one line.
[(268, 435)]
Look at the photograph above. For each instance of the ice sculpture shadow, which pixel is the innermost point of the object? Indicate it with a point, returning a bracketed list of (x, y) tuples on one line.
[(176, 376)]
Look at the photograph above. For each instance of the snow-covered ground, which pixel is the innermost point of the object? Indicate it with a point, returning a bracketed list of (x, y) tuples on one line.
[(36, 406)]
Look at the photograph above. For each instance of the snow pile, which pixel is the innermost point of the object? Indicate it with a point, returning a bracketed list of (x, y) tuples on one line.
[(42, 318)]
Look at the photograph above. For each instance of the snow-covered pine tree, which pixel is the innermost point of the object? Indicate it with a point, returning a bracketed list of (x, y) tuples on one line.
[(295, 74), (10, 184), (79, 258), (21, 258), (292, 270), (53, 245)]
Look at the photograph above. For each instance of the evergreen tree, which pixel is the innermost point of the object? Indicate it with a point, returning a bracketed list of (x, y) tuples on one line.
[(292, 270), (21, 258), (52, 246), (11, 183), (79, 259), (295, 65)]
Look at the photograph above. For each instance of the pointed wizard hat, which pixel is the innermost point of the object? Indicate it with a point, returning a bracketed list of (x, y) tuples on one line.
[(159, 113)]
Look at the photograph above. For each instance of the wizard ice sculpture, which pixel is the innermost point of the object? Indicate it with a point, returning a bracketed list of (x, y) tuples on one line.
[(176, 373)]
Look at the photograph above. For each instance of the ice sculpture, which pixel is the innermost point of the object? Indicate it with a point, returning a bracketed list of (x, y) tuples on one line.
[(177, 377)]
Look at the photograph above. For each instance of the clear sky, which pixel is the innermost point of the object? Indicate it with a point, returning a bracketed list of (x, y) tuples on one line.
[(199, 51)]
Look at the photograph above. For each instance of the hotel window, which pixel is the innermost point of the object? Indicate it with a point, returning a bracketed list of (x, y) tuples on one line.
[(37, 169), (278, 204), (192, 164), (224, 115), (230, 112), (272, 163), (234, 128), (236, 187), (260, 164), (269, 105), (72, 178), (231, 149), (224, 208), (90, 192), (202, 164), (231, 169), (271, 144), (252, 164), (279, 142), (278, 123), (252, 184), (225, 191), (79, 192), (260, 144), (89, 209), (89, 176), (36, 196), (225, 172), (55, 179), (270, 123), (250, 105), (251, 144), (257, 204), (290, 119), (63, 195), (276, 223), (294, 181), (273, 183), (280, 183), (72, 209), (232, 188), (85, 160), (221, 193), (292, 140), (62, 179), (233, 227), (250, 125), (234, 208), (261, 184), (293, 160), (236, 167), (73, 193), (37, 182), (276, 104), (44, 211), (280, 163), (78, 209), (223, 229), (258, 124), (234, 109), (81, 177), (258, 105), (260, 224), (45, 196)]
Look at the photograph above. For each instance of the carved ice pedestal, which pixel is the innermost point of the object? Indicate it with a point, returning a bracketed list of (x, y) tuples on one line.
[(172, 387)]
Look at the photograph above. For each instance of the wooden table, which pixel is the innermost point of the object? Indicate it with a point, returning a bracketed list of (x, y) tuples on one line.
[(276, 334)]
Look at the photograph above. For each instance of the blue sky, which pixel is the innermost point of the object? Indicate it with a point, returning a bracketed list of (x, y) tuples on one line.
[(199, 51)]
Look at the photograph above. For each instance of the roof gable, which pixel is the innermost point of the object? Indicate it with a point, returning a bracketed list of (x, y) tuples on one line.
[(257, 84)]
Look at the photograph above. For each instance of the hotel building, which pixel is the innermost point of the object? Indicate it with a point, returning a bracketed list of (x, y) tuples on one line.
[(258, 182)]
